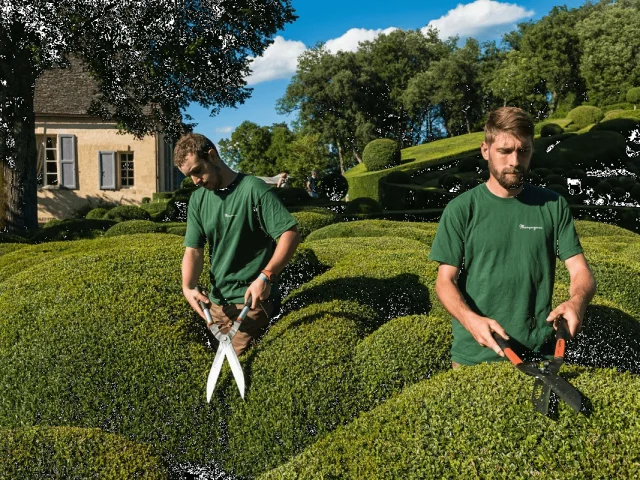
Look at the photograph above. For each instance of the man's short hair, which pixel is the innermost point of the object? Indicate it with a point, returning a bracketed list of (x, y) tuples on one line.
[(512, 120), (192, 143)]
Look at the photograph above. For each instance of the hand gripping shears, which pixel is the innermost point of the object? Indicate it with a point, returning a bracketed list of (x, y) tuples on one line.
[(547, 378), (225, 349)]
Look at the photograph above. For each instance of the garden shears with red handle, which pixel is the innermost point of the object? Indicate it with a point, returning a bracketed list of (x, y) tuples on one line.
[(547, 378)]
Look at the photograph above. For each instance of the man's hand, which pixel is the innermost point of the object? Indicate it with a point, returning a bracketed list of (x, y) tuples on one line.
[(259, 290), (193, 296), (481, 328), (573, 313)]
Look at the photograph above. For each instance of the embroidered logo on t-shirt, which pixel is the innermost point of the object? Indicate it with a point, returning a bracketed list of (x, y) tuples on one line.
[(228, 215), (525, 227)]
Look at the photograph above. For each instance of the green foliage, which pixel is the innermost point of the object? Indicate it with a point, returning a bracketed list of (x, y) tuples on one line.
[(176, 210), (182, 231), (127, 212), (159, 196), (131, 227), (587, 151), (384, 369), (310, 221), (551, 129), (471, 412), (623, 126), (555, 179), (468, 164), (73, 229), (362, 205), (633, 95), (422, 232), (398, 177), (449, 182), (157, 209), (106, 340), (75, 453), (559, 188), (585, 115), (380, 154), (12, 238), (96, 213), (303, 267), (334, 187), (187, 183), (293, 196)]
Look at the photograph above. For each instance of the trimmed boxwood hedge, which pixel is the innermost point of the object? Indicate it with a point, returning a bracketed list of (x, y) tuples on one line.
[(310, 221), (72, 229), (106, 340), (127, 212), (478, 422), (380, 154), (96, 213), (131, 227), (423, 232), (585, 115), (75, 453)]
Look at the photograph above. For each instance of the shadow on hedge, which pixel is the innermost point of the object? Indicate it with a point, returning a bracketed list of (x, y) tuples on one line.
[(609, 338), (390, 297)]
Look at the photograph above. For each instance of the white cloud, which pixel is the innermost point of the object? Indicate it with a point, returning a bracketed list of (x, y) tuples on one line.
[(349, 41), (477, 17), (224, 129), (279, 60)]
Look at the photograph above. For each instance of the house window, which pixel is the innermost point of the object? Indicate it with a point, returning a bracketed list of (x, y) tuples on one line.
[(47, 159), (126, 169)]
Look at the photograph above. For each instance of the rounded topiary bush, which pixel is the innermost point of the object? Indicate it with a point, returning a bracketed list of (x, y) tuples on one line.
[(106, 340), (533, 178), (422, 232), (478, 422), (551, 129), (603, 188), (181, 230), (471, 183), (585, 115), (293, 196), (398, 176), (380, 154), (131, 227), (362, 205), (176, 210), (633, 95), (310, 221), (6, 237), (383, 369), (126, 212), (468, 164), (67, 452), (450, 182), (623, 126), (73, 229), (334, 186), (554, 179), (96, 213), (187, 183)]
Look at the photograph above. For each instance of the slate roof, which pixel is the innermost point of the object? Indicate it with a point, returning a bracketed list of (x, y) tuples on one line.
[(65, 91)]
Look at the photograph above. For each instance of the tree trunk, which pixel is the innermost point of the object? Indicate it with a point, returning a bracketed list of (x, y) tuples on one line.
[(466, 118), (340, 157), (18, 175), (357, 155)]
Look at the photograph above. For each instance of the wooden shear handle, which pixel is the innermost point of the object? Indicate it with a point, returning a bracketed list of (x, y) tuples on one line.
[(502, 343)]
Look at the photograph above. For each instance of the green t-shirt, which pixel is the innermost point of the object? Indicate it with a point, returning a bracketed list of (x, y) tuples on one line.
[(506, 249), (241, 224)]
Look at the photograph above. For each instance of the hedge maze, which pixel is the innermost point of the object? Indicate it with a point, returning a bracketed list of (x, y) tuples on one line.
[(104, 368)]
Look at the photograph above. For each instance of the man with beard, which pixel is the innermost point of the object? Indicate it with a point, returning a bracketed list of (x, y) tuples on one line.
[(497, 246), (240, 218)]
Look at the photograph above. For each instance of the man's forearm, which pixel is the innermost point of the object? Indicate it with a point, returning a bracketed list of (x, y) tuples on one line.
[(192, 264), (452, 300), (582, 289), (285, 249)]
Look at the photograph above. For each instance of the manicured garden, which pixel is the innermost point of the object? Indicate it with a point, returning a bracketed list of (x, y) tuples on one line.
[(101, 355)]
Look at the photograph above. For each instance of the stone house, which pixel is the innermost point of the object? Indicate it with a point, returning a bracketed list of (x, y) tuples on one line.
[(83, 158)]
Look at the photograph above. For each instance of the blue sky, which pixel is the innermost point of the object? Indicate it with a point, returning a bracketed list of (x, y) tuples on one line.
[(341, 24)]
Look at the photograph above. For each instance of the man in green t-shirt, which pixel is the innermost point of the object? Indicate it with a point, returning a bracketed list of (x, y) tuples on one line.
[(241, 218), (497, 246)]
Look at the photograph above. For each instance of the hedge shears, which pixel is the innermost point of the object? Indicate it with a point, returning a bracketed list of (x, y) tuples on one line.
[(547, 378), (225, 349)]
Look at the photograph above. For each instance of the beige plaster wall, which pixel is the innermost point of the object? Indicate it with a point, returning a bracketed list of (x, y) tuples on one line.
[(91, 138)]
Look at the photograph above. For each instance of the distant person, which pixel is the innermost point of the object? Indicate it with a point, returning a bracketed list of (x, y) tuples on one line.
[(240, 217), (312, 184), (497, 246), (283, 181)]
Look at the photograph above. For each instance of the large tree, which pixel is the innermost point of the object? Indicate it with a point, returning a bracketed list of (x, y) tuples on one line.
[(159, 55)]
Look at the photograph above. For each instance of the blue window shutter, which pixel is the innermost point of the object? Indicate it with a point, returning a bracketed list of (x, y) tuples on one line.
[(107, 165), (68, 161)]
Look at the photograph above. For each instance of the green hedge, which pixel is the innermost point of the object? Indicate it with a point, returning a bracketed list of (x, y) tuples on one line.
[(478, 422), (422, 232), (633, 95), (310, 221), (72, 229), (131, 227), (106, 340), (126, 212), (6, 237), (75, 453), (551, 129), (96, 213), (402, 352), (380, 154), (585, 115)]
